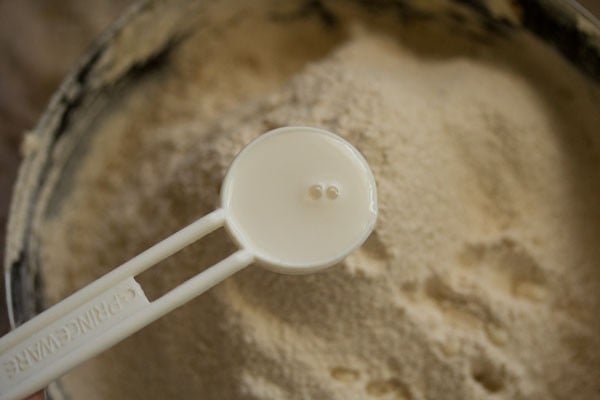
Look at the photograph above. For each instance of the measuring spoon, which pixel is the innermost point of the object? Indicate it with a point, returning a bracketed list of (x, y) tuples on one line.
[(295, 200)]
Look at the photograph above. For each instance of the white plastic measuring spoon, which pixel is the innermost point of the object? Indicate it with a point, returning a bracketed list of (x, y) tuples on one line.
[(295, 200)]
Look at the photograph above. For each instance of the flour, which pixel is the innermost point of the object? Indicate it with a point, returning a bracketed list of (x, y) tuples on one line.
[(480, 280)]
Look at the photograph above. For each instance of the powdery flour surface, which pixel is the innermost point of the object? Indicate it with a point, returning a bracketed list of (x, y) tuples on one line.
[(480, 280)]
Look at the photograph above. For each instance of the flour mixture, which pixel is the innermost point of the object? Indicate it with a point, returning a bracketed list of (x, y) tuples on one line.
[(481, 279)]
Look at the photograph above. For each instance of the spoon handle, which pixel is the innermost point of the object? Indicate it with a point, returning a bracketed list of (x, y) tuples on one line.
[(103, 313)]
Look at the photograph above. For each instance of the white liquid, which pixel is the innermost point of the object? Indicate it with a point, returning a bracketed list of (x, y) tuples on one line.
[(299, 197)]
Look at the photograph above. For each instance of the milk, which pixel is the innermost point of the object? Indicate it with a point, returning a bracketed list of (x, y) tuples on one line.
[(302, 197)]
